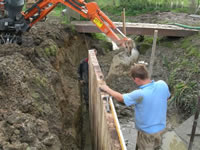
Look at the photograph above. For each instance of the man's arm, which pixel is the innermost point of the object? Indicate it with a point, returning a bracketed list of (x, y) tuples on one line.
[(118, 96)]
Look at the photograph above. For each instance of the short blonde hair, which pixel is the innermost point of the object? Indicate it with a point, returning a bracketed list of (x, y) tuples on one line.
[(139, 71)]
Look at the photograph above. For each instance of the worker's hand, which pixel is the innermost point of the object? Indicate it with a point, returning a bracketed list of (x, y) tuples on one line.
[(104, 88)]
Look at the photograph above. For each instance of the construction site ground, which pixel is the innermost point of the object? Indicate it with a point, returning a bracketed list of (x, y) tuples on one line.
[(40, 104)]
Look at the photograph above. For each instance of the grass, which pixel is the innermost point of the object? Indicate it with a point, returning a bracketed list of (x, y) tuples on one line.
[(137, 7), (58, 10), (184, 75), (99, 36)]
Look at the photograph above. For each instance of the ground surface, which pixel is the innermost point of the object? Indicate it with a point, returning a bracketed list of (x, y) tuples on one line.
[(169, 48), (163, 18), (40, 106), (165, 54)]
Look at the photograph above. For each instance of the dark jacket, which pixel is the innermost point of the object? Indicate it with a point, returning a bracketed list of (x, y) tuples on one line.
[(83, 70)]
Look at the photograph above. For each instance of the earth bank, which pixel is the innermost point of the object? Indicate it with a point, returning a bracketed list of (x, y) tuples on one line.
[(40, 103)]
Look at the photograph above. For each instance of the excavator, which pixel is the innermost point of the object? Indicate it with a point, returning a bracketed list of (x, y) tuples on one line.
[(14, 22)]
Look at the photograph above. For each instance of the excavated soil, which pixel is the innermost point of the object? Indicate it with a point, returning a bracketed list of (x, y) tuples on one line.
[(168, 48), (168, 51), (40, 107)]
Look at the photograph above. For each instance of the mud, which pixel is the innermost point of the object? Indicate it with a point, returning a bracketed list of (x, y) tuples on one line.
[(165, 55), (39, 93)]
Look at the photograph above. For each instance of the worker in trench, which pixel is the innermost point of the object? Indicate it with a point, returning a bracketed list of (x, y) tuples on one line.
[(150, 102), (83, 79)]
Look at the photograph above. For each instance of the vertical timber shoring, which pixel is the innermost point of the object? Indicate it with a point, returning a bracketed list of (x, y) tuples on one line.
[(103, 130)]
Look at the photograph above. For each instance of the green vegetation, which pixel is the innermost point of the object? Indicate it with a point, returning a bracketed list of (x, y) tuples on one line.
[(144, 43), (99, 36), (183, 69), (135, 7), (51, 50), (144, 6), (35, 95), (105, 3), (40, 81), (184, 75), (58, 10), (168, 44)]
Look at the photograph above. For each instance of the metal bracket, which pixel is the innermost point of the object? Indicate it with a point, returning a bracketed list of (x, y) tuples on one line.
[(107, 98)]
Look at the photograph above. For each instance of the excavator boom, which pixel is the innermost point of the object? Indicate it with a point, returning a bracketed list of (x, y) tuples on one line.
[(23, 21)]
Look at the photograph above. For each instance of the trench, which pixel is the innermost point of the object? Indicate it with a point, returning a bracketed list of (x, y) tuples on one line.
[(52, 58), (86, 141), (39, 92), (127, 121), (82, 127), (75, 116)]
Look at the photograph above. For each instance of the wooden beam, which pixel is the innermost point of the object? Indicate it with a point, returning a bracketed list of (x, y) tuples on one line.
[(138, 29), (104, 131), (124, 21)]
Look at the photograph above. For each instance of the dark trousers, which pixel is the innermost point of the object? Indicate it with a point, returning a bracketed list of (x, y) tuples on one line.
[(86, 94)]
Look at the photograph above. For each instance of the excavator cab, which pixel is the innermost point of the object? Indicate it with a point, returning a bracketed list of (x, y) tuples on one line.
[(14, 8), (11, 22)]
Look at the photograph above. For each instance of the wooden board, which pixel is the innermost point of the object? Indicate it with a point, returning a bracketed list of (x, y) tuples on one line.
[(138, 29)]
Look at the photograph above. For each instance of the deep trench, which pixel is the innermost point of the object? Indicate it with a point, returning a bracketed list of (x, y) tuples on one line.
[(73, 47), (76, 49), (86, 141)]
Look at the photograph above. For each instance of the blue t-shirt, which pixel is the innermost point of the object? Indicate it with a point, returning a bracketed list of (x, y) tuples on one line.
[(150, 102)]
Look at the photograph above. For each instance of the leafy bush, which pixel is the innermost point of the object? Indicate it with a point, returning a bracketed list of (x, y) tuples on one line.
[(99, 36), (143, 6), (184, 76)]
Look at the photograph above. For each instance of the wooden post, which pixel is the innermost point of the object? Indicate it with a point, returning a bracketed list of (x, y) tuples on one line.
[(153, 53), (124, 20), (196, 116)]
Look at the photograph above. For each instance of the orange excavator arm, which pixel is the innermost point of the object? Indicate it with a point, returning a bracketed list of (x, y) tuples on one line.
[(89, 11)]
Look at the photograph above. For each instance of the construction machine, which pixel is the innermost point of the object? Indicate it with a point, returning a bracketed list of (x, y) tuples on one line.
[(14, 22)]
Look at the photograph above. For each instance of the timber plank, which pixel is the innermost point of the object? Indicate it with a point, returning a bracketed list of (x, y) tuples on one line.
[(138, 29)]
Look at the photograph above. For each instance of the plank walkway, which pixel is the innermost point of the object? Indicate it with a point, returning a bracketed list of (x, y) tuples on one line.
[(138, 29)]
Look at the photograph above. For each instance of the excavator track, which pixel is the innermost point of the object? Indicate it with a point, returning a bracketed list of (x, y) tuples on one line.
[(6, 38)]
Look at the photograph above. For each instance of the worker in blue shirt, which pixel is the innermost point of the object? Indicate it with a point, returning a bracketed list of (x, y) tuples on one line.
[(150, 102)]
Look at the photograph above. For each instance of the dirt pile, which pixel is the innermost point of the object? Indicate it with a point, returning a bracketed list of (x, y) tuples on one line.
[(39, 94), (27, 97)]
